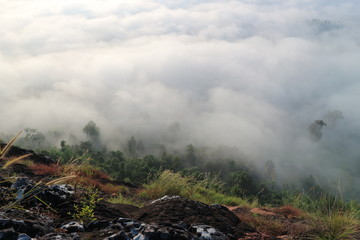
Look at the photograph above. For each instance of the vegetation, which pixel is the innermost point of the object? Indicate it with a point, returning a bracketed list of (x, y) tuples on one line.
[(85, 210), (120, 198), (335, 219), (191, 174), (170, 183)]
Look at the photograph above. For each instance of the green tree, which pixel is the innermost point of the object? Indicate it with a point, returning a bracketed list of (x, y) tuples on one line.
[(93, 133), (132, 146), (190, 155), (34, 137)]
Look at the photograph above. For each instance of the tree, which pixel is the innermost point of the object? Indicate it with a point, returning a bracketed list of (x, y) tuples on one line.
[(34, 137), (91, 130), (93, 133), (241, 183), (190, 155), (132, 146)]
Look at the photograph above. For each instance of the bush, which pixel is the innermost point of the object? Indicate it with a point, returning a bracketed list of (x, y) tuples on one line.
[(85, 209), (170, 183)]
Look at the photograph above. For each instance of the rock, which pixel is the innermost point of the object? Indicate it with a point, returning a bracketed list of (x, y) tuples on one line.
[(4, 182), (165, 198), (134, 230), (22, 185), (60, 236), (176, 209), (56, 195), (118, 236), (30, 227), (23, 237), (13, 224), (205, 232), (110, 211), (8, 234), (97, 225), (37, 158), (73, 227)]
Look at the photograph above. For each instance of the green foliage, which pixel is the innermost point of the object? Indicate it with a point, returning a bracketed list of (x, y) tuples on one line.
[(240, 183), (338, 226), (91, 130), (167, 183), (85, 209)]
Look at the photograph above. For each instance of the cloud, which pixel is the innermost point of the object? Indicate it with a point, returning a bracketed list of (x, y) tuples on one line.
[(248, 74)]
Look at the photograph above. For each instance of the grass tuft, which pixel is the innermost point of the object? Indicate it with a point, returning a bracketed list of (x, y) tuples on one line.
[(333, 218), (42, 169), (125, 200), (170, 183), (5, 150), (15, 160)]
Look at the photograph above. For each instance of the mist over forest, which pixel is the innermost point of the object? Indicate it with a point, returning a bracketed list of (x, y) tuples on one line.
[(252, 81)]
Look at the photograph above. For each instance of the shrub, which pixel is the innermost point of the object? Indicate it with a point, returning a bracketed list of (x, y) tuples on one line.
[(170, 183), (167, 183), (334, 218), (85, 209)]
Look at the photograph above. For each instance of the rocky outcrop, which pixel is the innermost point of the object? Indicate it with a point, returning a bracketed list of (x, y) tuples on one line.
[(33, 210)]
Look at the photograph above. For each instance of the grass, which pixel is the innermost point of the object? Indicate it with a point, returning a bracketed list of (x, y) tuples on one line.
[(83, 174), (5, 150), (334, 219), (33, 192), (43, 169), (120, 198), (15, 160), (170, 183), (338, 226)]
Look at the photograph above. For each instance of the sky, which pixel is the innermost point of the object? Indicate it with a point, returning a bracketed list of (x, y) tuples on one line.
[(247, 74)]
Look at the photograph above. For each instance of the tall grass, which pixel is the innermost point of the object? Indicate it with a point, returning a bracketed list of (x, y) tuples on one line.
[(7, 147), (170, 183), (334, 218), (120, 198), (5, 150)]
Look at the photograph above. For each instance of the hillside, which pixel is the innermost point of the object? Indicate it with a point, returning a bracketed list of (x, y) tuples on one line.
[(42, 199)]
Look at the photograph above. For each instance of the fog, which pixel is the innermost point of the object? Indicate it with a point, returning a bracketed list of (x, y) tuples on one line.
[(247, 74)]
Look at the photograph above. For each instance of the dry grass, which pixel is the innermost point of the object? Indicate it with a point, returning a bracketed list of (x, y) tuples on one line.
[(84, 175), (49, 170), (14, 160), (289, 211), (85, 170), (94, 183), (285, 221), (5, 150), (272, 227)]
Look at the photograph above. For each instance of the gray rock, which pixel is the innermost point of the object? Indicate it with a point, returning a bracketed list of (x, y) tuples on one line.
[(21, 183), (97, 225), (8, 234), (73, 227), (205, 232), (60, 236), (118, 236), (23, 236), (165, 198)]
